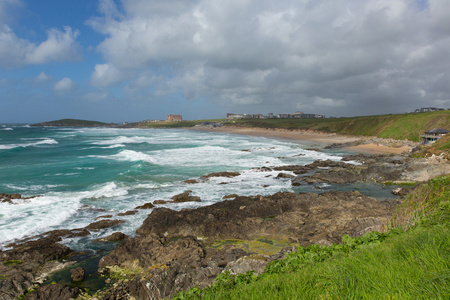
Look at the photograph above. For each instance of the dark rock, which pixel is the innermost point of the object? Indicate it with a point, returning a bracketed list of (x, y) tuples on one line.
[(402, 191), (127, 213), (104, 217), (145, 206), (285, 176), (104, 224), (156, 202), (191, 181), (115, 237), (185, 197), (317, 216), (231, 196), (220, 174), (77, 274), (54, 292)]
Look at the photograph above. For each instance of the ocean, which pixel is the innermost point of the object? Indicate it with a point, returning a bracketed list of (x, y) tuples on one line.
[(81, 174)]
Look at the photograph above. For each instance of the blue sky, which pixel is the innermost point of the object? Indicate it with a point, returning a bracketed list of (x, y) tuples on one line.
[(131, 60)]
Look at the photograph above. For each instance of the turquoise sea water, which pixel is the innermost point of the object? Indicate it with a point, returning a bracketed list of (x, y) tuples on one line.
[(83, 173)]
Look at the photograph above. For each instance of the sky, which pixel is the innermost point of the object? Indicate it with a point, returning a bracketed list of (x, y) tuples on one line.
[(132, 60)]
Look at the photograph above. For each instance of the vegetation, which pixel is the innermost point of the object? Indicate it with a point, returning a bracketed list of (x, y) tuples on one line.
[(401, 126), (73, 123), (410, 260)]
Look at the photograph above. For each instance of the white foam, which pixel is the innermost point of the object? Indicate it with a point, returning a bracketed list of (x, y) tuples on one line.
[(41, 142), (107, 190), (128, 155)]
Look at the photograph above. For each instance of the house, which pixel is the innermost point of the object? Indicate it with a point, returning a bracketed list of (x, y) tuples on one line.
[(172, 118), (433, 135)]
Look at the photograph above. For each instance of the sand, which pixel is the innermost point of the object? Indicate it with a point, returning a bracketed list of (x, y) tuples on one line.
[(310, 137)]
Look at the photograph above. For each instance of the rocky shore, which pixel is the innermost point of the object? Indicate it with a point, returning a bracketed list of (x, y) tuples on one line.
[(177, 250)]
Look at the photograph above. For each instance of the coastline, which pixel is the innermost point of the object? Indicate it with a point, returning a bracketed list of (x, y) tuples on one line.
[(368, 146)]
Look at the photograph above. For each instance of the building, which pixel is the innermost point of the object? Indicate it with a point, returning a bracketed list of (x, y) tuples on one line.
[(433, 135), (427, 109), (173, 118)]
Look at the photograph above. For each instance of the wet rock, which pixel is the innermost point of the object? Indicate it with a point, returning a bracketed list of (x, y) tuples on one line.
[(156, 202), (77, 274), (115, 237), (220, 174), (145, 206), (285, 176), (231, 196), (104, 217), (185, 197), (191, 181), (54, 292), (103, 224), (128, 213)]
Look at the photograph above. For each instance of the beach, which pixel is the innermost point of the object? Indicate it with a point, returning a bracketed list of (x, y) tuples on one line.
[(320, 139)]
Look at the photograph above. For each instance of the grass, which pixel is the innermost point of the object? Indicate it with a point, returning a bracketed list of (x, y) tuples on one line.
[(401, 126), (411, 260)]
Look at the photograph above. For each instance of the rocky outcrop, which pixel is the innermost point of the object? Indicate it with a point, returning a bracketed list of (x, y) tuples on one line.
[(104, 224), (174, 250), (12, 198), (30, 261), (54, 291), (185, 197)]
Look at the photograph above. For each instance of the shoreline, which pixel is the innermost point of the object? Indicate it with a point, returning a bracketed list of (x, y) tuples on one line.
[(321, 139)]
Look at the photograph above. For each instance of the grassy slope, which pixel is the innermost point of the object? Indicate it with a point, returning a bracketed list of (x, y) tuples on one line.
[(408, 262), (402, 126)]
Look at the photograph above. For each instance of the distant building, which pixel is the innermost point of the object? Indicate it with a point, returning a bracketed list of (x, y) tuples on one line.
[(172, 118), (427, 109), (433, 135)]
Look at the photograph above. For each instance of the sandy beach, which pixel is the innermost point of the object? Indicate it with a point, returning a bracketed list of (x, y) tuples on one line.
[(315, 138)]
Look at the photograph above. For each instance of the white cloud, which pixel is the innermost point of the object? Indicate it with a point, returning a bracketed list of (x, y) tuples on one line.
[(279, 54), (18, 52), (42, 77), (64, 85), (105, 75)]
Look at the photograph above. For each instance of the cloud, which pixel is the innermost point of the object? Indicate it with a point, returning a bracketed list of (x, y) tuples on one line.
[(42, 77), (18, 52), (64, 85), (105, 75), (332, 57)]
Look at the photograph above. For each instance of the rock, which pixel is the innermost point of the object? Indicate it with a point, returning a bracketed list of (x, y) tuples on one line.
[(145, 206), (127, 213), (103, 224), (185, 197), (77, 274), (221, 174), (256, 263), (285, 176), (115, 237), (306, 217), (231, 196), (54, 292), (402, 191), (104, 217), (191, 181), (156, 202)]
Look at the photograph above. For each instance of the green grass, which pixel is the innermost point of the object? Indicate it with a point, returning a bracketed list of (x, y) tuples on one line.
[(401, 126), (406, 262)]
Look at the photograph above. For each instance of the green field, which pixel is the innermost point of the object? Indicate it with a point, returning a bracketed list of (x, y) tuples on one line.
[(411, 260), (401, 126)]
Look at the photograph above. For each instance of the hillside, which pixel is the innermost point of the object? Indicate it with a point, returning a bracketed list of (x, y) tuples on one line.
[(74, 123), (401, 126)]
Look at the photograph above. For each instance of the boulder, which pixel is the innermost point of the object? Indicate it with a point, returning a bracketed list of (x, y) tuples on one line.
[(185, 197), (103, 224), (145, 206), (56, 291), (77, 274)]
